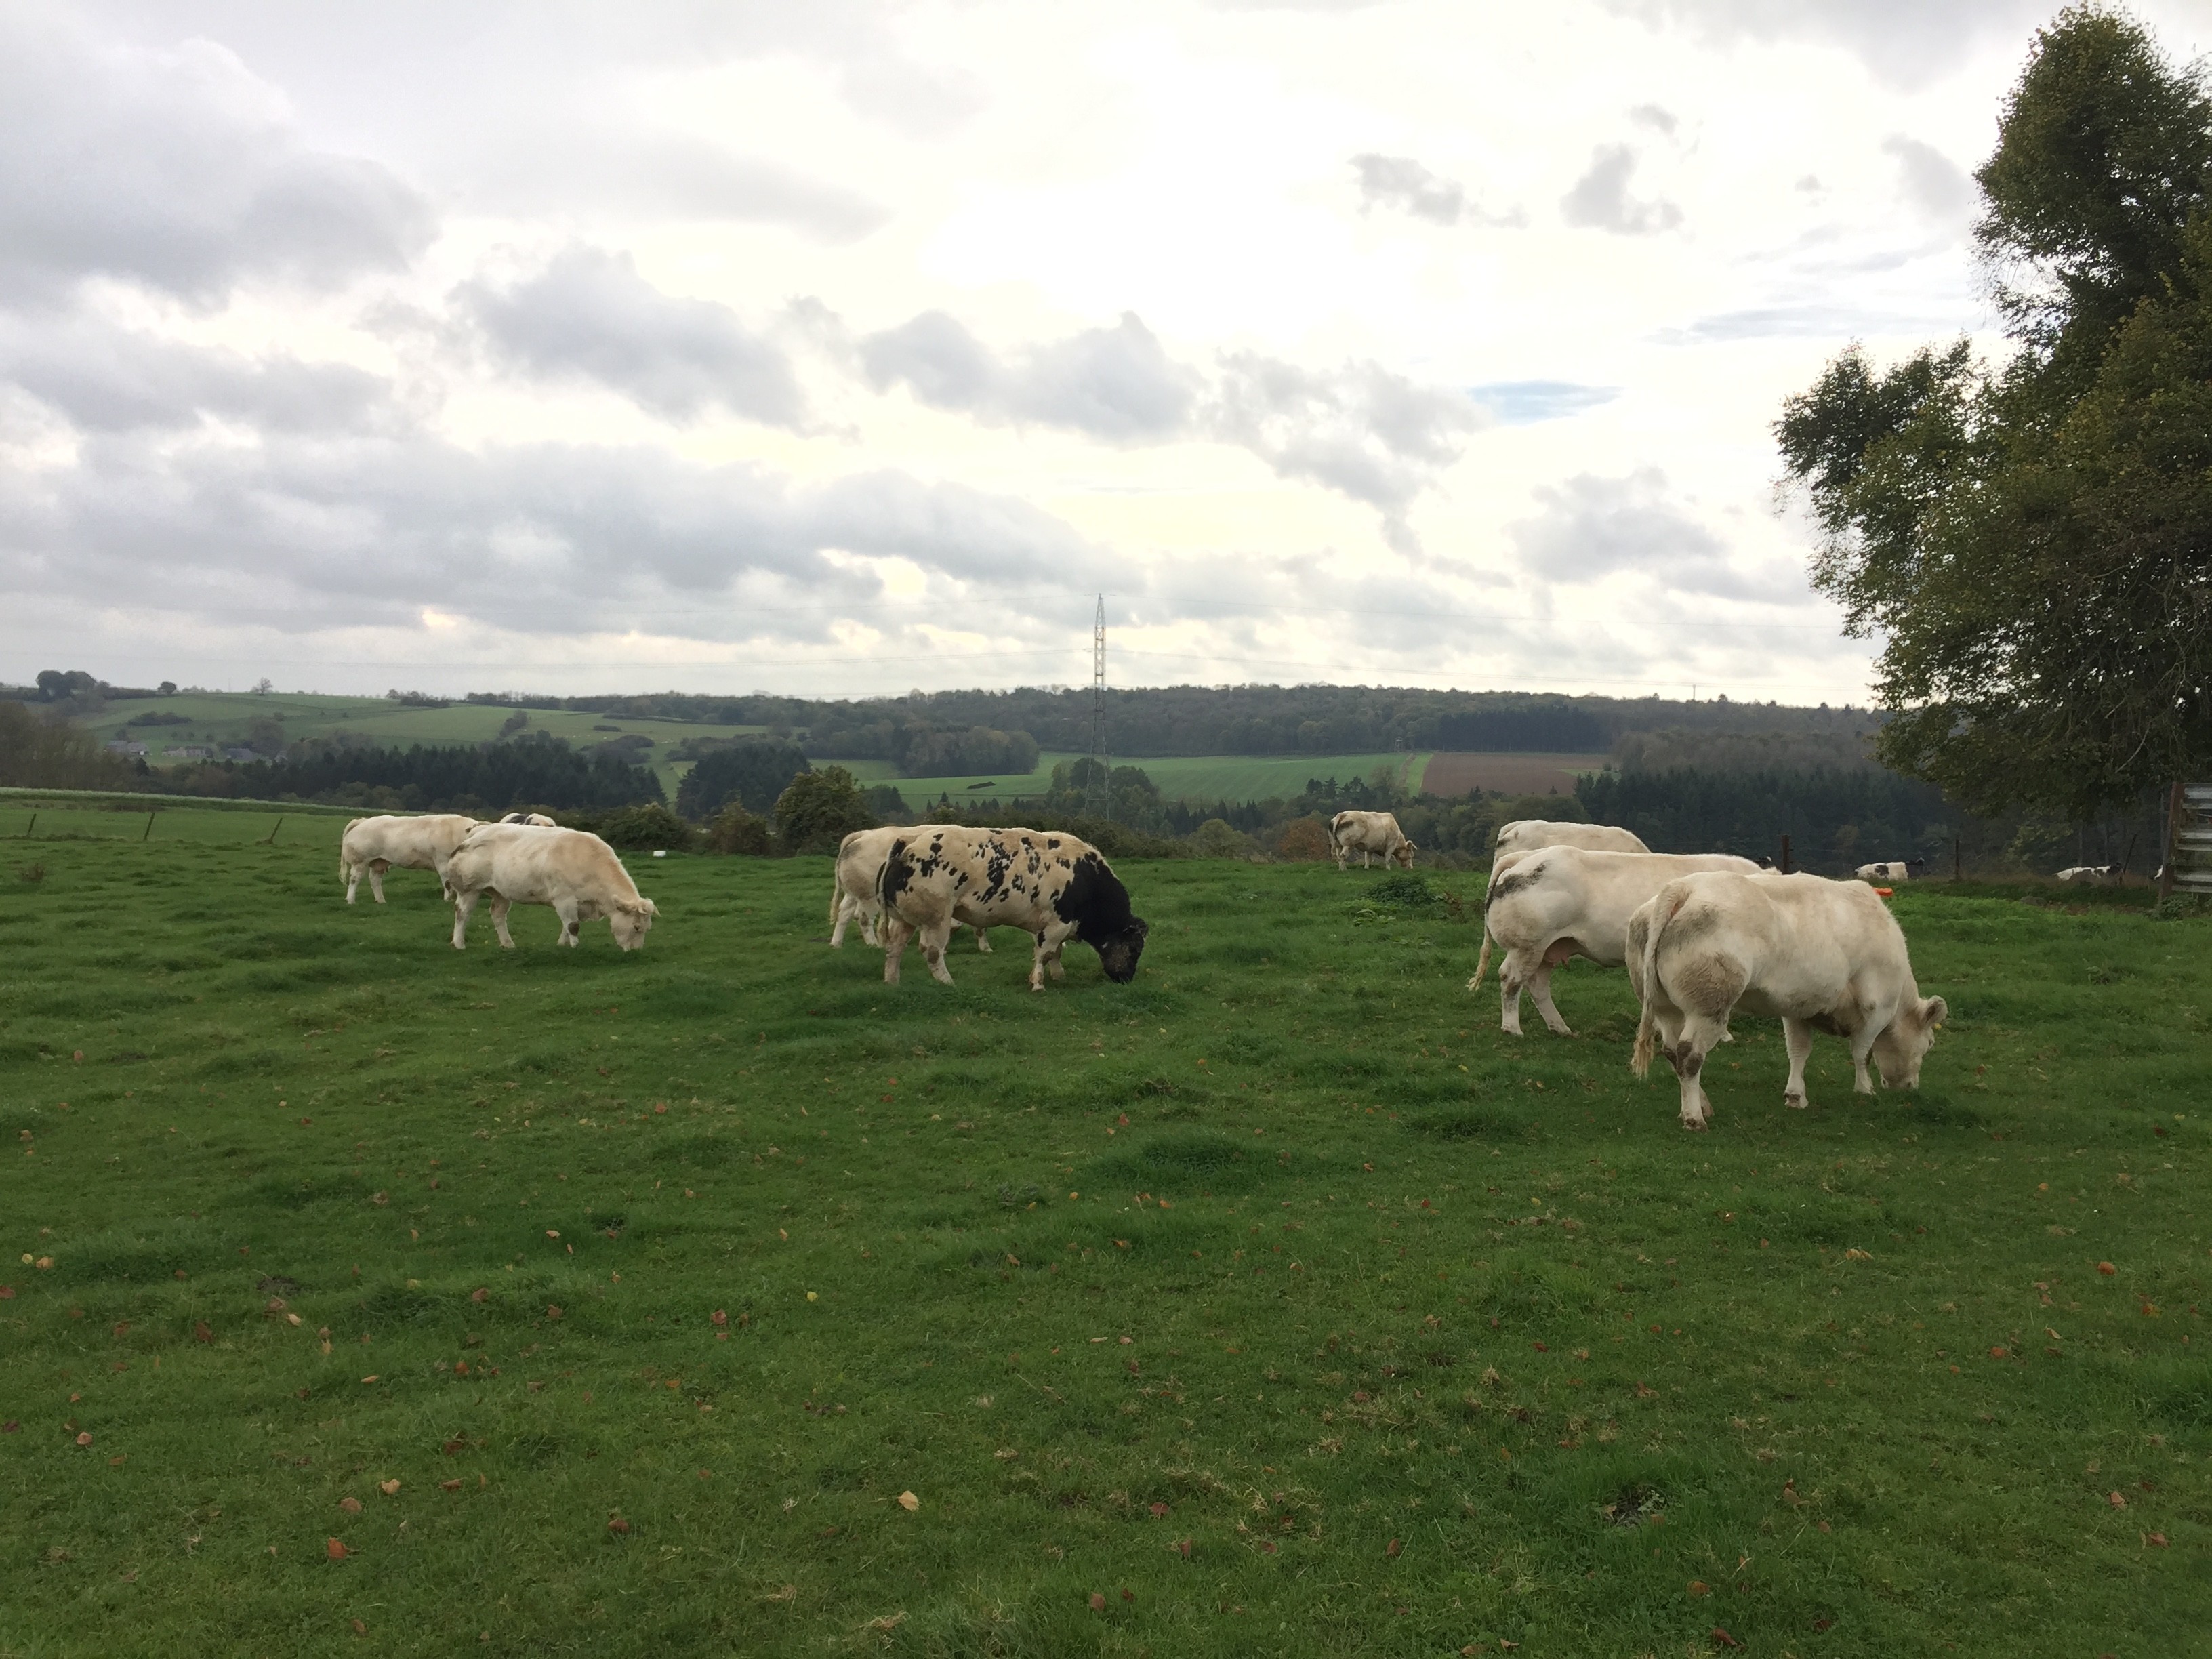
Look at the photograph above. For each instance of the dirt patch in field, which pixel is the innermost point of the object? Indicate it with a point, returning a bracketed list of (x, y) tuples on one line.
[(1461, 773)]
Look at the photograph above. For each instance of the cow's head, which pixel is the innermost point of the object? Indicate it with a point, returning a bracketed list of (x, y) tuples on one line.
[(631, 920), (1906, 1041), (1405, 853), (1118, 951)]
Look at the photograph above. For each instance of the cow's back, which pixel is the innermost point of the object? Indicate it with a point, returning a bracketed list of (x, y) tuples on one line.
[(1526, 834)]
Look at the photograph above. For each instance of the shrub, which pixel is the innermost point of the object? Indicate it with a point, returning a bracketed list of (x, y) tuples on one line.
[(1304, 840), (1216, 839), (819, 810), (735, 830), (635, 829)]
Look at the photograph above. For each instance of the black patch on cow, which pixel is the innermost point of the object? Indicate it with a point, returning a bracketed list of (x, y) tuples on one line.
[(1094, 899), (895, 876), (1515, 880)]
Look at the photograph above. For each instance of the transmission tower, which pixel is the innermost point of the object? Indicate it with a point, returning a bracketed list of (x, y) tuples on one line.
[(1098, 795)]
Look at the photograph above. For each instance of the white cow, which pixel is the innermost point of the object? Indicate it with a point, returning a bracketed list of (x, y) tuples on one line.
[(1895, 870), (1819, 955), (537, 818), (1528, 835), (369, 847), (1563, 902), (860, 858), (1369, 833), (573, 871), (2086, 875), (1052, 886)]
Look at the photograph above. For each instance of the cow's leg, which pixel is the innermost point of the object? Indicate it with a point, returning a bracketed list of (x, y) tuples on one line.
[(1539, 985), (1797, 1038), (934, 938), (1688, 1056), (501, 904), (464, 905), (376, 869), (1515, 970), (983, 941), (1861, 1046), (894, 932), (843, 915), (352, 881), (1050, 941), (572, 923)]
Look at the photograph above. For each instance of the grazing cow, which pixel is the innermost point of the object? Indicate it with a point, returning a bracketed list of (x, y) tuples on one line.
[(860, 858), (537, 818), (1896, 869), (1528, 835), (1561, 902), (571, 870), (2087, 875), (1819, 955), (369, 847), (1369, 833), (1052, 887)]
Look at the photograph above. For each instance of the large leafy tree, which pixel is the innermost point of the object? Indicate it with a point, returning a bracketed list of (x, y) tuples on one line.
[(2033, 541)]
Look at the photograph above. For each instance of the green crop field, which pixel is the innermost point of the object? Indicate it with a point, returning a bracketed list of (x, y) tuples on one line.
[(1186, 777), (225, 718), (365, 1297)]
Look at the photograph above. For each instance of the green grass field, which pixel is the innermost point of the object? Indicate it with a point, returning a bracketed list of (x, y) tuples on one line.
[(1184, 777), (365, 1297)]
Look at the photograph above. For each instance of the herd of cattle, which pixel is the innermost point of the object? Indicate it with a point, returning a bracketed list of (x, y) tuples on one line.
[(1702, 935)]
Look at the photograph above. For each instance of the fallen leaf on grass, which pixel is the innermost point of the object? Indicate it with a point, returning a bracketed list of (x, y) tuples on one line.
[(452, 1446), (1159, 1511), (389, 1488), (360, 1629), (336, 1550), (350, 1505), (1699, 1587), (1097, 1602), (2116, 1500), (478, 1294), (1394, 1547), (1724, 1638), (84, 1439), (2154, 1539), (11, 1426), (202, 1333), (449, 1485), (616, 1524), (889, 1621), (2106, 1268), (908, 1502)]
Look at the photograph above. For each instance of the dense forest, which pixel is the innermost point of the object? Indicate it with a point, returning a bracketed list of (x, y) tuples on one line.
[(531, 770), (1241, 719)]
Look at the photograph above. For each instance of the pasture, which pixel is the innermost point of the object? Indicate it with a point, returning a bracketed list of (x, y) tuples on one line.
[(1206, 778), (366, 1298)]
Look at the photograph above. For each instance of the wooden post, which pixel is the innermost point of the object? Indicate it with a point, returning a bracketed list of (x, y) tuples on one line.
[(1955, 861), (148, 836), (1785, 855), (271, 841), (31, 825), (2173, 829)]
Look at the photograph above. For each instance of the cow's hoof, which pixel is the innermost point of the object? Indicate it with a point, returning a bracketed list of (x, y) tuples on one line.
[(1795, 1103), (1698, 1124)]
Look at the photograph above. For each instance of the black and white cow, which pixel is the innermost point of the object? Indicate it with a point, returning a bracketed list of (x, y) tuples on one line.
[(536, 820), (1052, 887), (1895, 870)]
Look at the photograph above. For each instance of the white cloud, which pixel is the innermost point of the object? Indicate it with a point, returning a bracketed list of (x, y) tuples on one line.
[(1600, 201)]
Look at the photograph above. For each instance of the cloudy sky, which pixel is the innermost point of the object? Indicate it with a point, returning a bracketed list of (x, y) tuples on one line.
[(846, 347)]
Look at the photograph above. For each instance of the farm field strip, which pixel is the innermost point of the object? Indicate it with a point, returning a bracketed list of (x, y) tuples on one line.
[(1187, 777), (553, 1300)]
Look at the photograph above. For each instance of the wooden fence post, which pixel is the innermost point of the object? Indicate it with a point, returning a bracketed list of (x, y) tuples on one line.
[(2173, 829), (31, 825), (271, 841), (148, 836), (1955, 861)]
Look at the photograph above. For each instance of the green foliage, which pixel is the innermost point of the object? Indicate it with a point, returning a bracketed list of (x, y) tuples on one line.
[(752, 772), (735, 830), (1216, 839), (635, 828), (38, 753), (819, 810), (2030, 543), (1310, 1314)]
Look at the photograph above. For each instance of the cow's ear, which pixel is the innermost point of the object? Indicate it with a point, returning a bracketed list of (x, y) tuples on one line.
[(1934, 1011)]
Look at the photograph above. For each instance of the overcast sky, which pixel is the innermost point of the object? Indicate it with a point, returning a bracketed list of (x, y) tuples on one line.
[(846, 347)]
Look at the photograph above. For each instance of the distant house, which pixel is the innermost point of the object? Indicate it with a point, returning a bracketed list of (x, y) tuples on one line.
[(241, 755), (185, 751), (124, 747)]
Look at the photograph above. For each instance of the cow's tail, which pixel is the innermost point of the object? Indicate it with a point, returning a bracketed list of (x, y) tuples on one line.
[(1482, 962), (836, 895), (1646, 1024), (345, 866)]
